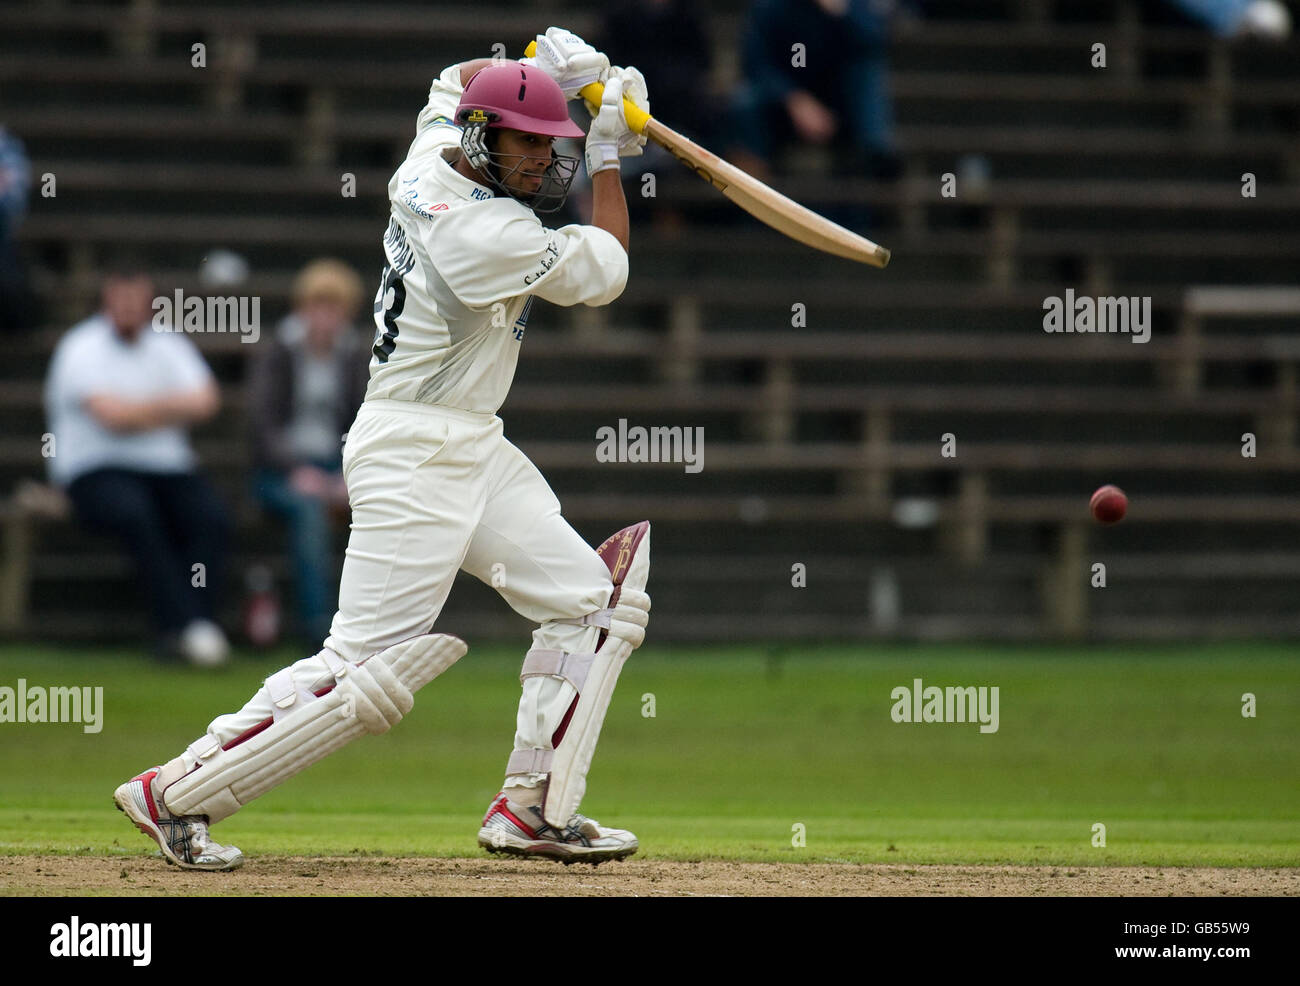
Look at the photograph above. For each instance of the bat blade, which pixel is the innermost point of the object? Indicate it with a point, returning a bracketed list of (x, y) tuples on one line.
[(765, 203), (761, 201)]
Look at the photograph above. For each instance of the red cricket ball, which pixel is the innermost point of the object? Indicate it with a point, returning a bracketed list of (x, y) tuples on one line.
[(1108, 505)]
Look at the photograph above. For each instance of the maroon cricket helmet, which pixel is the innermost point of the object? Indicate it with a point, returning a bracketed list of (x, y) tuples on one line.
[(518, 97)]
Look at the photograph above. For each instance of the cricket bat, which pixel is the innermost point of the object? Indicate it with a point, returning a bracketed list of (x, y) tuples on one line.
[(762, 202)]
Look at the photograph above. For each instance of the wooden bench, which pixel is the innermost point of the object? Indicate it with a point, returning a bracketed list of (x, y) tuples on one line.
[(30, 504), (1206, 302)]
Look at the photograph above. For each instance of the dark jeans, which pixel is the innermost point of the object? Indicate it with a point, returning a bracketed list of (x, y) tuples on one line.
[(16, 308), (168, 522), (864, 106), (311, 541)]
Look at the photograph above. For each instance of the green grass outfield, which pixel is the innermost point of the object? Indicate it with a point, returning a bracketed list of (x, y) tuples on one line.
[(745, 744)]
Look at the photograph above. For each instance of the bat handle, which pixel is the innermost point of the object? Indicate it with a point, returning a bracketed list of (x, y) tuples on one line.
[(636, 117)]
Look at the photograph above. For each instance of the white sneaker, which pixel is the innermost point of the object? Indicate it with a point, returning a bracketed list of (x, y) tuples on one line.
[(204, 645), (183, 839), (520, 831)]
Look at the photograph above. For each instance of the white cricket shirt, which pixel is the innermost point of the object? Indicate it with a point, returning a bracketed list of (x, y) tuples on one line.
[(462, 268), (93, 359)]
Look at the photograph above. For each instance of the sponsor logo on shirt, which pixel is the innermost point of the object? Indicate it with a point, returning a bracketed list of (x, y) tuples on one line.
[(411, 199), (548, 261), (522, 320)]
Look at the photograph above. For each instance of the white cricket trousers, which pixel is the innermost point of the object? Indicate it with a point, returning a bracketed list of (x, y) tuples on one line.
[(433, 490)]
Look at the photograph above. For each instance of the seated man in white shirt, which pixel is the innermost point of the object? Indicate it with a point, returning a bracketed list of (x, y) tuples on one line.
[(119, 397)]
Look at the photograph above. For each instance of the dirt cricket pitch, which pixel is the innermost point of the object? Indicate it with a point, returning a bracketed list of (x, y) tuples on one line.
[(63, 875)]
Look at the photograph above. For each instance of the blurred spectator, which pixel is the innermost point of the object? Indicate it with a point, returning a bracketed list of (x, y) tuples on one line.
[(1237, 18), (15, 179), (834, 89), (305, 389), (668, 40), (119, 397)]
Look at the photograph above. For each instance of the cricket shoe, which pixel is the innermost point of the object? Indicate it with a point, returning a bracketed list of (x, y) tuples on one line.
[(522, 831), (183, 839)]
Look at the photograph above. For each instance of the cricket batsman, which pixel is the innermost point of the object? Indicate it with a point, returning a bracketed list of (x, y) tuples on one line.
[(435, 487)]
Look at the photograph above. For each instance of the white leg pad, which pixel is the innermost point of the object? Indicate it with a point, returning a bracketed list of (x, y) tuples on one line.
[(572, 757), (370, 697)]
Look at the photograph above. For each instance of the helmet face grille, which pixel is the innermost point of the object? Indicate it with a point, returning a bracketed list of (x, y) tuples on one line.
[(555, 185), (496, 169)]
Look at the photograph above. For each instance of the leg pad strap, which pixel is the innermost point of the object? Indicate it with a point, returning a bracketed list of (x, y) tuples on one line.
[(529, 762), (370, 697), (572, 668), (627, 555)]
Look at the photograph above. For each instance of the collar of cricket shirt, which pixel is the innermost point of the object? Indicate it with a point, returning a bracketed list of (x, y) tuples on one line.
[(466, 188)]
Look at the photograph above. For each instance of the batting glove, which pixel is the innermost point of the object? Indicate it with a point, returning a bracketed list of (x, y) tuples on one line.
[(569, 60), (607, 129), (631, 143)]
